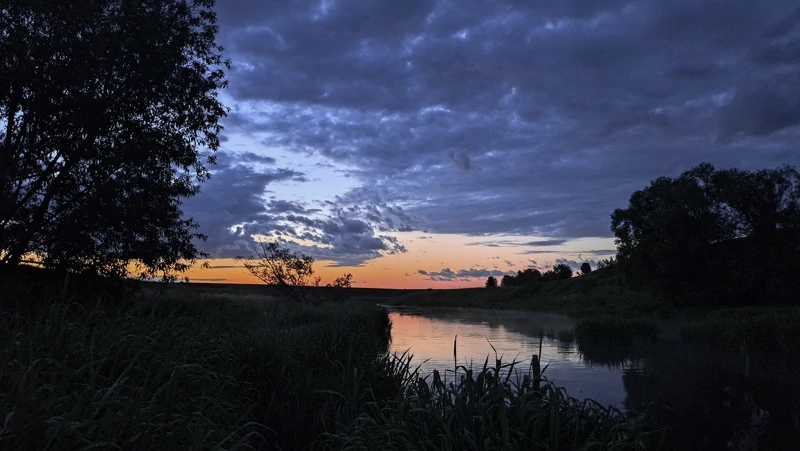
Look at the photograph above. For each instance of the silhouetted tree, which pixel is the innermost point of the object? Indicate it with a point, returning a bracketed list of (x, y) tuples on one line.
[(560, 271), (563, 271), (676, 232), (291, 273), (529, 275), (586, 268), (491, 282), (339, 290), (508, 281), (759, 203), (106, 106)]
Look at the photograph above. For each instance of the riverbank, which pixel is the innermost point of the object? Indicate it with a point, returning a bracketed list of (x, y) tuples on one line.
[(221, 372), (598, 293), (605, 306), (197, 373)]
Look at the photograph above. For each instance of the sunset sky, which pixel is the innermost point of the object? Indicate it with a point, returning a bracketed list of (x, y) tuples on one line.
[(434, 143)]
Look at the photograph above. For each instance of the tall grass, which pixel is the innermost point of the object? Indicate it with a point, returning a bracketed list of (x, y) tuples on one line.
[(184, 375), (490, 408), (213, 373)]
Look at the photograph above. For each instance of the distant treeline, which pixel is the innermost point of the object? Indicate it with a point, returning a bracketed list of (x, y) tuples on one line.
[(531, 275), (708, 236)]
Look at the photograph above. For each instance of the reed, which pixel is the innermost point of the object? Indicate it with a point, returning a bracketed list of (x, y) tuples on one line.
[(494, 407)]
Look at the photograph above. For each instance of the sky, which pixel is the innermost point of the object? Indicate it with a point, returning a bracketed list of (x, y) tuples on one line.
[(422, 143)]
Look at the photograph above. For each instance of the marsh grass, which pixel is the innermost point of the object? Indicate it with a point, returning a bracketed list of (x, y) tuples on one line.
[(171, 374), (492, 407)]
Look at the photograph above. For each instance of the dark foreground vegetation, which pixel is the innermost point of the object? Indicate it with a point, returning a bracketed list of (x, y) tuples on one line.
[(111, 117), (142, 370)]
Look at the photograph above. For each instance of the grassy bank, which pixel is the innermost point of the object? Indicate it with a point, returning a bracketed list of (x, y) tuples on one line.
[(611, 311), (599, 293), (761, 330), (205, 373), (219, 372)]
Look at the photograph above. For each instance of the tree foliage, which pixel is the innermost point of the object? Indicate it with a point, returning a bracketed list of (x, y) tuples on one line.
[(586, 268), (607, 262), (560, 271), (678, 232), (105, 108), (528, 276), (491, 282)]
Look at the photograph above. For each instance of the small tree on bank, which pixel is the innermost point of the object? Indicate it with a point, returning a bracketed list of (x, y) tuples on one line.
[(291, 273), (491, 282), (586, 268)]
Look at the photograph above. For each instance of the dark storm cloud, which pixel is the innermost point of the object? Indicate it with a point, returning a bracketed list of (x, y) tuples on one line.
[(232, 207), (514, 117)]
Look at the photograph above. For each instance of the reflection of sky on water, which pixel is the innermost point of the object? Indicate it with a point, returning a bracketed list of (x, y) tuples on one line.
[(429, 334)]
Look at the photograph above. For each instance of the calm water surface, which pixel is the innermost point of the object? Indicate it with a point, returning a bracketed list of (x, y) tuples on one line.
[(428, 333), (710, 398)]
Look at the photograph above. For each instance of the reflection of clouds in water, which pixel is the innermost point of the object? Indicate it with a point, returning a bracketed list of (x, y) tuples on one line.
[(429, 334)]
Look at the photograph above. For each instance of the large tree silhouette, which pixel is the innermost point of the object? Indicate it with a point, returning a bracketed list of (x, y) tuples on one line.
[(106, 107), (714, 234)]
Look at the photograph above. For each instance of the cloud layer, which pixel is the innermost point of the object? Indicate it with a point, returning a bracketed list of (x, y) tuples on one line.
[(235, 207), (486, 118)]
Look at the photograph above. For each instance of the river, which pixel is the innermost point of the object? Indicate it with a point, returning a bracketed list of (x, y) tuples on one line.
[(430, 334), (710, 397)]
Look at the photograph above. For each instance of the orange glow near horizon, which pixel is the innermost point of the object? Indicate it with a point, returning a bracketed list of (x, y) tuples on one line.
[(431, 254)]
